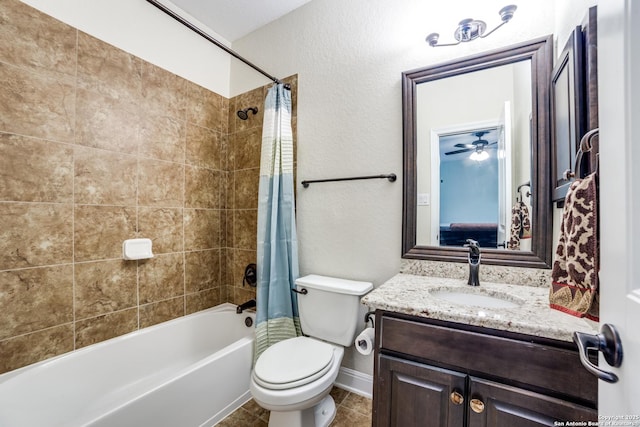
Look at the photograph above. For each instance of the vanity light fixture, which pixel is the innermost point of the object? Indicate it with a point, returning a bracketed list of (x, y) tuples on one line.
[(470, 29)]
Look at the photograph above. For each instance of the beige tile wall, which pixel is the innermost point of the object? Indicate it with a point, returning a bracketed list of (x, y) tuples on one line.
[(98, 146)]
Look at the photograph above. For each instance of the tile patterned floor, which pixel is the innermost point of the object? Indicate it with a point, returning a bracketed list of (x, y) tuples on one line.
[(352, 411)]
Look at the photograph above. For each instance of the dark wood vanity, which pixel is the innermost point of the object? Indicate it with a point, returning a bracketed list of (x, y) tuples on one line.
[(435, 373)]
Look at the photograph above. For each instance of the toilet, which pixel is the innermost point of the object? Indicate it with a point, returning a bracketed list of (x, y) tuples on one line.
[(293, 377)]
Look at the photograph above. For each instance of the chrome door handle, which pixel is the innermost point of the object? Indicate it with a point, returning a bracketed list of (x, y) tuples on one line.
[(608, 342)]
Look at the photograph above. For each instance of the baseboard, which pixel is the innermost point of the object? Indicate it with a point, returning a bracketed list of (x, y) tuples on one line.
[(355, 382)]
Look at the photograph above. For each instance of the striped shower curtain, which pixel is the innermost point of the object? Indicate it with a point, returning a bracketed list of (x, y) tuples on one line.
[(277, 258)]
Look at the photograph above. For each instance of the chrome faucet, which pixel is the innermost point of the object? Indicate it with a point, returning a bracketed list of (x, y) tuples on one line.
[(474, 262)]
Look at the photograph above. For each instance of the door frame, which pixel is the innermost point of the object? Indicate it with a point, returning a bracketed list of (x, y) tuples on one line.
[(619, 117)]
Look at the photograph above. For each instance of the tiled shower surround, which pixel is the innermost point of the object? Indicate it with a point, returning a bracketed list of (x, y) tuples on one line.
[(98, 146)]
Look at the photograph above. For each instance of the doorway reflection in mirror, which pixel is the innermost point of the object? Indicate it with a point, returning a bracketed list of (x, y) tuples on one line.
[(469, 185)]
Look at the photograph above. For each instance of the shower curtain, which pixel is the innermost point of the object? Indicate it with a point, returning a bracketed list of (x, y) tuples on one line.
[(277, 257)]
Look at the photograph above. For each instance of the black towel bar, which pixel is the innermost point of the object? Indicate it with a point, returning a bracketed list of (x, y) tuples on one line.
[(391, 177), (520, 197)]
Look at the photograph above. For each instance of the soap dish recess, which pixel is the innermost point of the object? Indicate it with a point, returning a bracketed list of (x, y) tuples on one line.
[(133, 249)]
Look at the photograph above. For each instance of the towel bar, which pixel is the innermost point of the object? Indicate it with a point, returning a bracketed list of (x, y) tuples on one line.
[(586, 145), (391, 177), (520, 197)]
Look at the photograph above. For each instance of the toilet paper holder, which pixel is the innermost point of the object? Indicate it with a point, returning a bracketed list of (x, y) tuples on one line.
[(365, 340), (368, 318)]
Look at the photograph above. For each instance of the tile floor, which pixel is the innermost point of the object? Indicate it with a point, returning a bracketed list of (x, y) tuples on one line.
[(352, 411)]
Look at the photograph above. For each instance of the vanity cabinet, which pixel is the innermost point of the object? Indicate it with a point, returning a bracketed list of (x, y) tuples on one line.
[(435, 373)]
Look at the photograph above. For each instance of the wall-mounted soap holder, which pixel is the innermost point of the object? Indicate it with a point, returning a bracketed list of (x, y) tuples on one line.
[(133, 249)]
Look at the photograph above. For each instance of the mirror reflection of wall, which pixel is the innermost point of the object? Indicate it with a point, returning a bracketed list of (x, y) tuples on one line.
[(465, 104)]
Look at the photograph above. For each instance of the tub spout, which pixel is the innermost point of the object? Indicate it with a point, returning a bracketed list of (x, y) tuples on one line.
[(249, 304)]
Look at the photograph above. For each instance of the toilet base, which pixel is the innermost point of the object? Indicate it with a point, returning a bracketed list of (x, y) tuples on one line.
[(319, 415)]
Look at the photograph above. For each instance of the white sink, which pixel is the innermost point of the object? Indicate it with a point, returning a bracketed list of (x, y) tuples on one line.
[(477, 298)]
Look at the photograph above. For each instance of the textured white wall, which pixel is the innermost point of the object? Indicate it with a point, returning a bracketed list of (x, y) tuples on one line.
[(569, 14), (349, 56), (141, 29)]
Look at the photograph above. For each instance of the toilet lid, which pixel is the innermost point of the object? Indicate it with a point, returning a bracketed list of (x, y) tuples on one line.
[(292, 363)]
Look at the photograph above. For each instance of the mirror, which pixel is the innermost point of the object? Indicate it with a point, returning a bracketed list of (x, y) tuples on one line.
[(476, 157)]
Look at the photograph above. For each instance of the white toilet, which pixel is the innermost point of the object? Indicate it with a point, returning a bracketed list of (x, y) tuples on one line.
[(293, 378)]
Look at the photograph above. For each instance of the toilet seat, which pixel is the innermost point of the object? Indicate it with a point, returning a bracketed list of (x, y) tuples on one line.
[(292, 363)]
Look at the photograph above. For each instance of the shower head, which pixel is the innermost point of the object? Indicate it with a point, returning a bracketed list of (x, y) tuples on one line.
[(244, 114)]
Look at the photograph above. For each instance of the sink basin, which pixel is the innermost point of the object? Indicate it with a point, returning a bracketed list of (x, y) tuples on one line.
[(477, 299)]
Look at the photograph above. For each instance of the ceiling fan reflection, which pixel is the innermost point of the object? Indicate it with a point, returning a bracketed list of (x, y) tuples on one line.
[(479, 145)]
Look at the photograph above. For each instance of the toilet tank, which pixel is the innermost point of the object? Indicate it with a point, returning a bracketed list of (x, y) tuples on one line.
[(329, 308)]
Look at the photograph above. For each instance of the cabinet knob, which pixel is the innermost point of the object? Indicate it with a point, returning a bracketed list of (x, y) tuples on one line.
[(477, 406), (457, 398)]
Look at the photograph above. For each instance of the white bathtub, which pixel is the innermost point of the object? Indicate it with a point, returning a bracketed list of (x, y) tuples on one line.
[(190, 371)]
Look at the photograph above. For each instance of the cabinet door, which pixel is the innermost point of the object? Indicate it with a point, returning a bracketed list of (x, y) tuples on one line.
[(413, 394), (496, 405)]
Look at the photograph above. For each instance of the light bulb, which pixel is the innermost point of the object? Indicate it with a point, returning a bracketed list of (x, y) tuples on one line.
[(479, 156)]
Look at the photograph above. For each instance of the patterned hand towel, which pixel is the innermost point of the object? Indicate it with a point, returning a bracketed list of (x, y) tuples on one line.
[(520, 225), (525, 232), (574, 278)]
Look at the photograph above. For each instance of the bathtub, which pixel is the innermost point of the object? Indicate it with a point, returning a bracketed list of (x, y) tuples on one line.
[(190, 371)]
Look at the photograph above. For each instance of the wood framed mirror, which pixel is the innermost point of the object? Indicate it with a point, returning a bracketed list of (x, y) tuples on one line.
[(434, 227)]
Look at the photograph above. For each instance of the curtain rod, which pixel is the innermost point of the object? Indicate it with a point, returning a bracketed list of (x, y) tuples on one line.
[(201, 33)]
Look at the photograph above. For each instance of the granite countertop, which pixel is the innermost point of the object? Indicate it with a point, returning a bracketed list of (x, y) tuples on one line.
[(411, 294)]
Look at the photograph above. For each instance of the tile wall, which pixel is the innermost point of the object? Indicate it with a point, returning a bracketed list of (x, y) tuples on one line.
[(98, 146)]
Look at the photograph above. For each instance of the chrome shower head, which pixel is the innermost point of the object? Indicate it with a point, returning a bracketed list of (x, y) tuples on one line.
[(244, 114)]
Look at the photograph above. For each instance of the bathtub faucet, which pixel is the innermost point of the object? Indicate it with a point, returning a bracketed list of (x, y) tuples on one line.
[(249, 304)]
